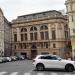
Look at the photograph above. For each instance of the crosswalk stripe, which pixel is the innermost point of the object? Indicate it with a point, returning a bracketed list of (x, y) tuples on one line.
[(27, 74), (14, 73), (40, 73), (2, 73), (54, 73), (67, 74)]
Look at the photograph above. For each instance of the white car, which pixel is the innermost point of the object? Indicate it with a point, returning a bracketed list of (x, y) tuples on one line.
[(52, 61)]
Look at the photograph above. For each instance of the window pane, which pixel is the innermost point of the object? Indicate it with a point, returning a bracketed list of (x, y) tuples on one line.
[(41, 45), (42, 35), (22, 30), (25, 30), (54, 45), (46, 35), (53, 35), (31, 36), (35, 29), (46, 44), (24, 45), (22, 39), (15, 37), (32, 28), (26, 36), (35, 35)]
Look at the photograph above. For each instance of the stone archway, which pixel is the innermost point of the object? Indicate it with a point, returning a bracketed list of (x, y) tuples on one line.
[(33, 51)]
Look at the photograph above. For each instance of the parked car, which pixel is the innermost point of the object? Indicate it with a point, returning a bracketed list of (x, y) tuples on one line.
[(8, 59), (52, 61), (4, 59), (20, 57), (13, 58)]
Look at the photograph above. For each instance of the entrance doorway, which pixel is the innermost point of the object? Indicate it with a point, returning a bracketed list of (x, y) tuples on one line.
[(24, 54), (33, 51)]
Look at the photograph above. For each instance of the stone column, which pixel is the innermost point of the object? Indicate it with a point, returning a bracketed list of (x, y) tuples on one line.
[(49, 32), (28, 33), (18, 35), (38, 32)]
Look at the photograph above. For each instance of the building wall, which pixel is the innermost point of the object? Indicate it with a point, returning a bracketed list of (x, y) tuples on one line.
[(70, 6), (1, 33), (7, 39), (5, 36), (53, 20)]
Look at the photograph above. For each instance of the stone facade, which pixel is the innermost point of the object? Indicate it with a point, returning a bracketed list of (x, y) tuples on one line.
[(39, 33), (5, 36), (70, 6)]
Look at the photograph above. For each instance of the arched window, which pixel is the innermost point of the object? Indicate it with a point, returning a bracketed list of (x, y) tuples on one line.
[(33, 29), (33, 33), (23, 30), (44, 32), (23, 34), (44, 27)]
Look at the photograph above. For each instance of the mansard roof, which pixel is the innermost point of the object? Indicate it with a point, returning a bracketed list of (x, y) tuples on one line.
[(51, 11)]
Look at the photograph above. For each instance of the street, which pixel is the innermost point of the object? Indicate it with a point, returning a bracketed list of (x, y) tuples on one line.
[(25, 68)]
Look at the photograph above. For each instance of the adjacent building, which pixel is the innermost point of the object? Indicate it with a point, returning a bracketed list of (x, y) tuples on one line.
[(40, 33), (70, 6), (5, 36)]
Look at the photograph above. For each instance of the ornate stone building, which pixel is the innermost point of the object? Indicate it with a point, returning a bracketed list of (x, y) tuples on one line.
[(5, 36), (70, 6), (39, 33)]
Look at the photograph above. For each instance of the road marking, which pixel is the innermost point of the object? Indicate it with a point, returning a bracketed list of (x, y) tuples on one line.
[(14, 73), (40, 73), (2, 73), (54, 73), (27, 74), (67, 74)]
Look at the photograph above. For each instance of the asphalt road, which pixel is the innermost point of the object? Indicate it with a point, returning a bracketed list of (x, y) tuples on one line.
[(25, 68)]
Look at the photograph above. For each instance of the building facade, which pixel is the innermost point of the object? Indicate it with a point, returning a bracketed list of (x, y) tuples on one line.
[(39, 33), (5, 36), (70, 6)]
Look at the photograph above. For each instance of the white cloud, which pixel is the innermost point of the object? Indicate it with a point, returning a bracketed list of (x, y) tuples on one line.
[(14, 8)]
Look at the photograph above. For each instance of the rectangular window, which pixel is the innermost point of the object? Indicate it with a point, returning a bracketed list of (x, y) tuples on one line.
[(46, 44), (15, 37), (53, 35), (21, 46), (46, 35), (24, 45), (42, 35), (31, 36), (25, 36), (35, 35), (22, 39), (41, 45), (54, 45)]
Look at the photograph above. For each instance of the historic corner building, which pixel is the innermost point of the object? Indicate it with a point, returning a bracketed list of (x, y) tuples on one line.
[(40, 33), (5, 36), (70, 6)]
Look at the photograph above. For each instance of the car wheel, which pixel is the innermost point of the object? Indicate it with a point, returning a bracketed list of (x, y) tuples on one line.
[(40, 67), (69, 68)]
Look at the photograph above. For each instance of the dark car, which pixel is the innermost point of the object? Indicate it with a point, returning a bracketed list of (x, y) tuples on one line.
[(20, 57)]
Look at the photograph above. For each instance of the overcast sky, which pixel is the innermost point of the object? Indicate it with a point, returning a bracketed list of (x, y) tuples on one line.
[(14, 8)]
